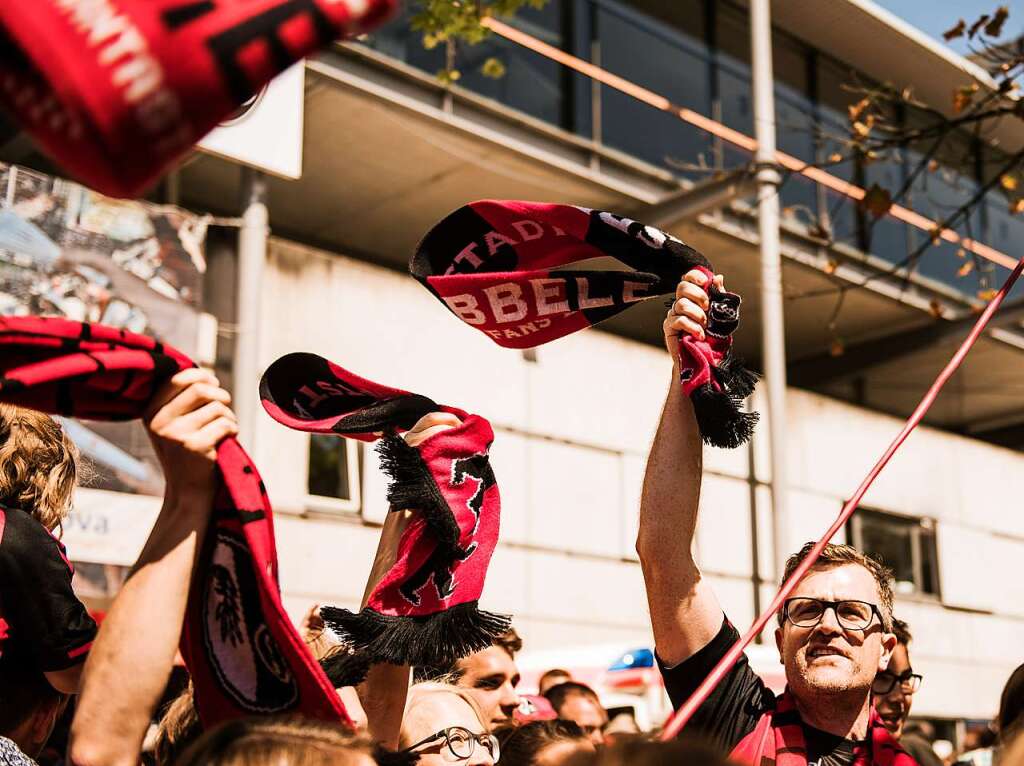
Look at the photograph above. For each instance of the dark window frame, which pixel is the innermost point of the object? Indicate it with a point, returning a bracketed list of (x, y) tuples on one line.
[(920, 527)]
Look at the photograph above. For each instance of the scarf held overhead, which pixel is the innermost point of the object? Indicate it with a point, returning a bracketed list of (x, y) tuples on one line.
[(243, 653), (778, 740), (424, 610), (117, 90), (495, 264)]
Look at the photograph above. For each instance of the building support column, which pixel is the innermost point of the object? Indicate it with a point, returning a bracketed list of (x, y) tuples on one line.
[(772, 319), (252, 255)]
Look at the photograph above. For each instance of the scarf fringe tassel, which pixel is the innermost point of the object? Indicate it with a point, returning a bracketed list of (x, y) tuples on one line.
[(722, 423), (429, 640)]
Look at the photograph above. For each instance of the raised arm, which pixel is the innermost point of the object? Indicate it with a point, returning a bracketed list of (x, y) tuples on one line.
[(685, 614), (131, 659)]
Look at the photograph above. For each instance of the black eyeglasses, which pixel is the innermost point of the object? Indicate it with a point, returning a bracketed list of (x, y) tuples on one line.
[(461, 742), (852, 615), (885, 682)]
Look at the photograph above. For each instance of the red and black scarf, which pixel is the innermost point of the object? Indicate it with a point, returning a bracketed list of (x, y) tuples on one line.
[(243, 653), (117, 90), (424, 612), (778, 740), (496, 265)]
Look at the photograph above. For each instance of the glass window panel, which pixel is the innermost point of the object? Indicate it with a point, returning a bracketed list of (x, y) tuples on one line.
[(794, 118), (889, 539), (684, 15), (887, 237), (398, 40), (667, 64), (532, 83), (328, 467), (840, 210), (937, 194)]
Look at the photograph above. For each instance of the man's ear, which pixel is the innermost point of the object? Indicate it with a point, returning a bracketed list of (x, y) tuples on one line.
[(778, 644), (889, 644)]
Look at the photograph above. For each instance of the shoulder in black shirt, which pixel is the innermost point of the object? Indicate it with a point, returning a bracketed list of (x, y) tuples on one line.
[(735, 706), (45, 622)]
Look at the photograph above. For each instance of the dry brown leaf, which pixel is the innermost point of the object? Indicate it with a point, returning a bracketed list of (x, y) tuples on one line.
[(1017, 206), (836, 348), (1008, 182), (835, 157), (876, 201), (956, 31), (961, 253), (994, 28), (831, 265), (978, 24), (966, 269), (963, 96), (987, 294), (936, 309), (854, 110)]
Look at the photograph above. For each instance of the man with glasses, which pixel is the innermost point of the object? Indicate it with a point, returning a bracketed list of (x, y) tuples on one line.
[(443, 725), (834, 632), (893, 693)]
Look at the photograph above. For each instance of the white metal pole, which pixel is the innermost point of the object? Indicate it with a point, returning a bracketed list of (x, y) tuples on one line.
[(772, 320), (252, 255)]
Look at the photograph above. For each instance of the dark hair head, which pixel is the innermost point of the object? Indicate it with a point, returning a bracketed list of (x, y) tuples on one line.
[(269, 742), (510, 641), (902, 632), (637, 751), (520, 745), (1011, 706), (557, 695)]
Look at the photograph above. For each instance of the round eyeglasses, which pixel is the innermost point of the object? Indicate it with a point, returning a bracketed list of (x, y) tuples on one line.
[(851, 615), (461, 742), (885, 682)]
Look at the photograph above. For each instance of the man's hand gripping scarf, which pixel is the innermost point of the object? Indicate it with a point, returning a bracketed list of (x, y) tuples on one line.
[(243, 652), (495, 265), (117, 90), (424, 611)]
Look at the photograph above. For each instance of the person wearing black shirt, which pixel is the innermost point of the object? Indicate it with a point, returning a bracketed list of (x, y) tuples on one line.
[(834, 634)]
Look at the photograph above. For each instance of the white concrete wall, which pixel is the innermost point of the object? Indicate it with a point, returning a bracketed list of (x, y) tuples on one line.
[(572, 433)]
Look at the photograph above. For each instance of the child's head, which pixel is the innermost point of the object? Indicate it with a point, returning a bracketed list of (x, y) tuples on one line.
[(38, 465)]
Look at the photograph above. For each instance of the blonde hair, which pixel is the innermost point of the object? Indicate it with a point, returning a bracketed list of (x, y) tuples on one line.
[(277, 742), (178, 728), (427, 688), (38, 465)]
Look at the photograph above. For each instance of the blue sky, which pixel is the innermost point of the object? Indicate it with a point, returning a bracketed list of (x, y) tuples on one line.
[(936, 16)]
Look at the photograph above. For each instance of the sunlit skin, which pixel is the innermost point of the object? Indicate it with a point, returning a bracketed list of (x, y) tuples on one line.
[(830, 669), (894, 707), (559, 752), (491, 677), (431, 712), (587, 714)]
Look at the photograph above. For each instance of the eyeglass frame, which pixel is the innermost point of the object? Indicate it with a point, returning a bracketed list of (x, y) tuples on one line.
[(494, 750), (834, 606), (901, 679)]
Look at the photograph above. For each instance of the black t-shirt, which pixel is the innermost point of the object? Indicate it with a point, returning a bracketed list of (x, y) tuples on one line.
[(41, 619), (738, 702)]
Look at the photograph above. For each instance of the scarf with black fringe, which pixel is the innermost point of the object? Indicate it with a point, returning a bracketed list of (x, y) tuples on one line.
[(117, 90), (241, 649), (495, 264), (424, 611)]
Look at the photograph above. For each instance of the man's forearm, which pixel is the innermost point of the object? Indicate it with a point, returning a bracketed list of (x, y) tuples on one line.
[(131, 660), (671, 488), (685, 614)]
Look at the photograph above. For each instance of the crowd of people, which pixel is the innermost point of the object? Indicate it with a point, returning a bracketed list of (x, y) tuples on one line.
[(72, 692)]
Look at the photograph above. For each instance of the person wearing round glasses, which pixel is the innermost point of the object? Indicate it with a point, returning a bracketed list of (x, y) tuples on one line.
[(892, 694), (443, 725)]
